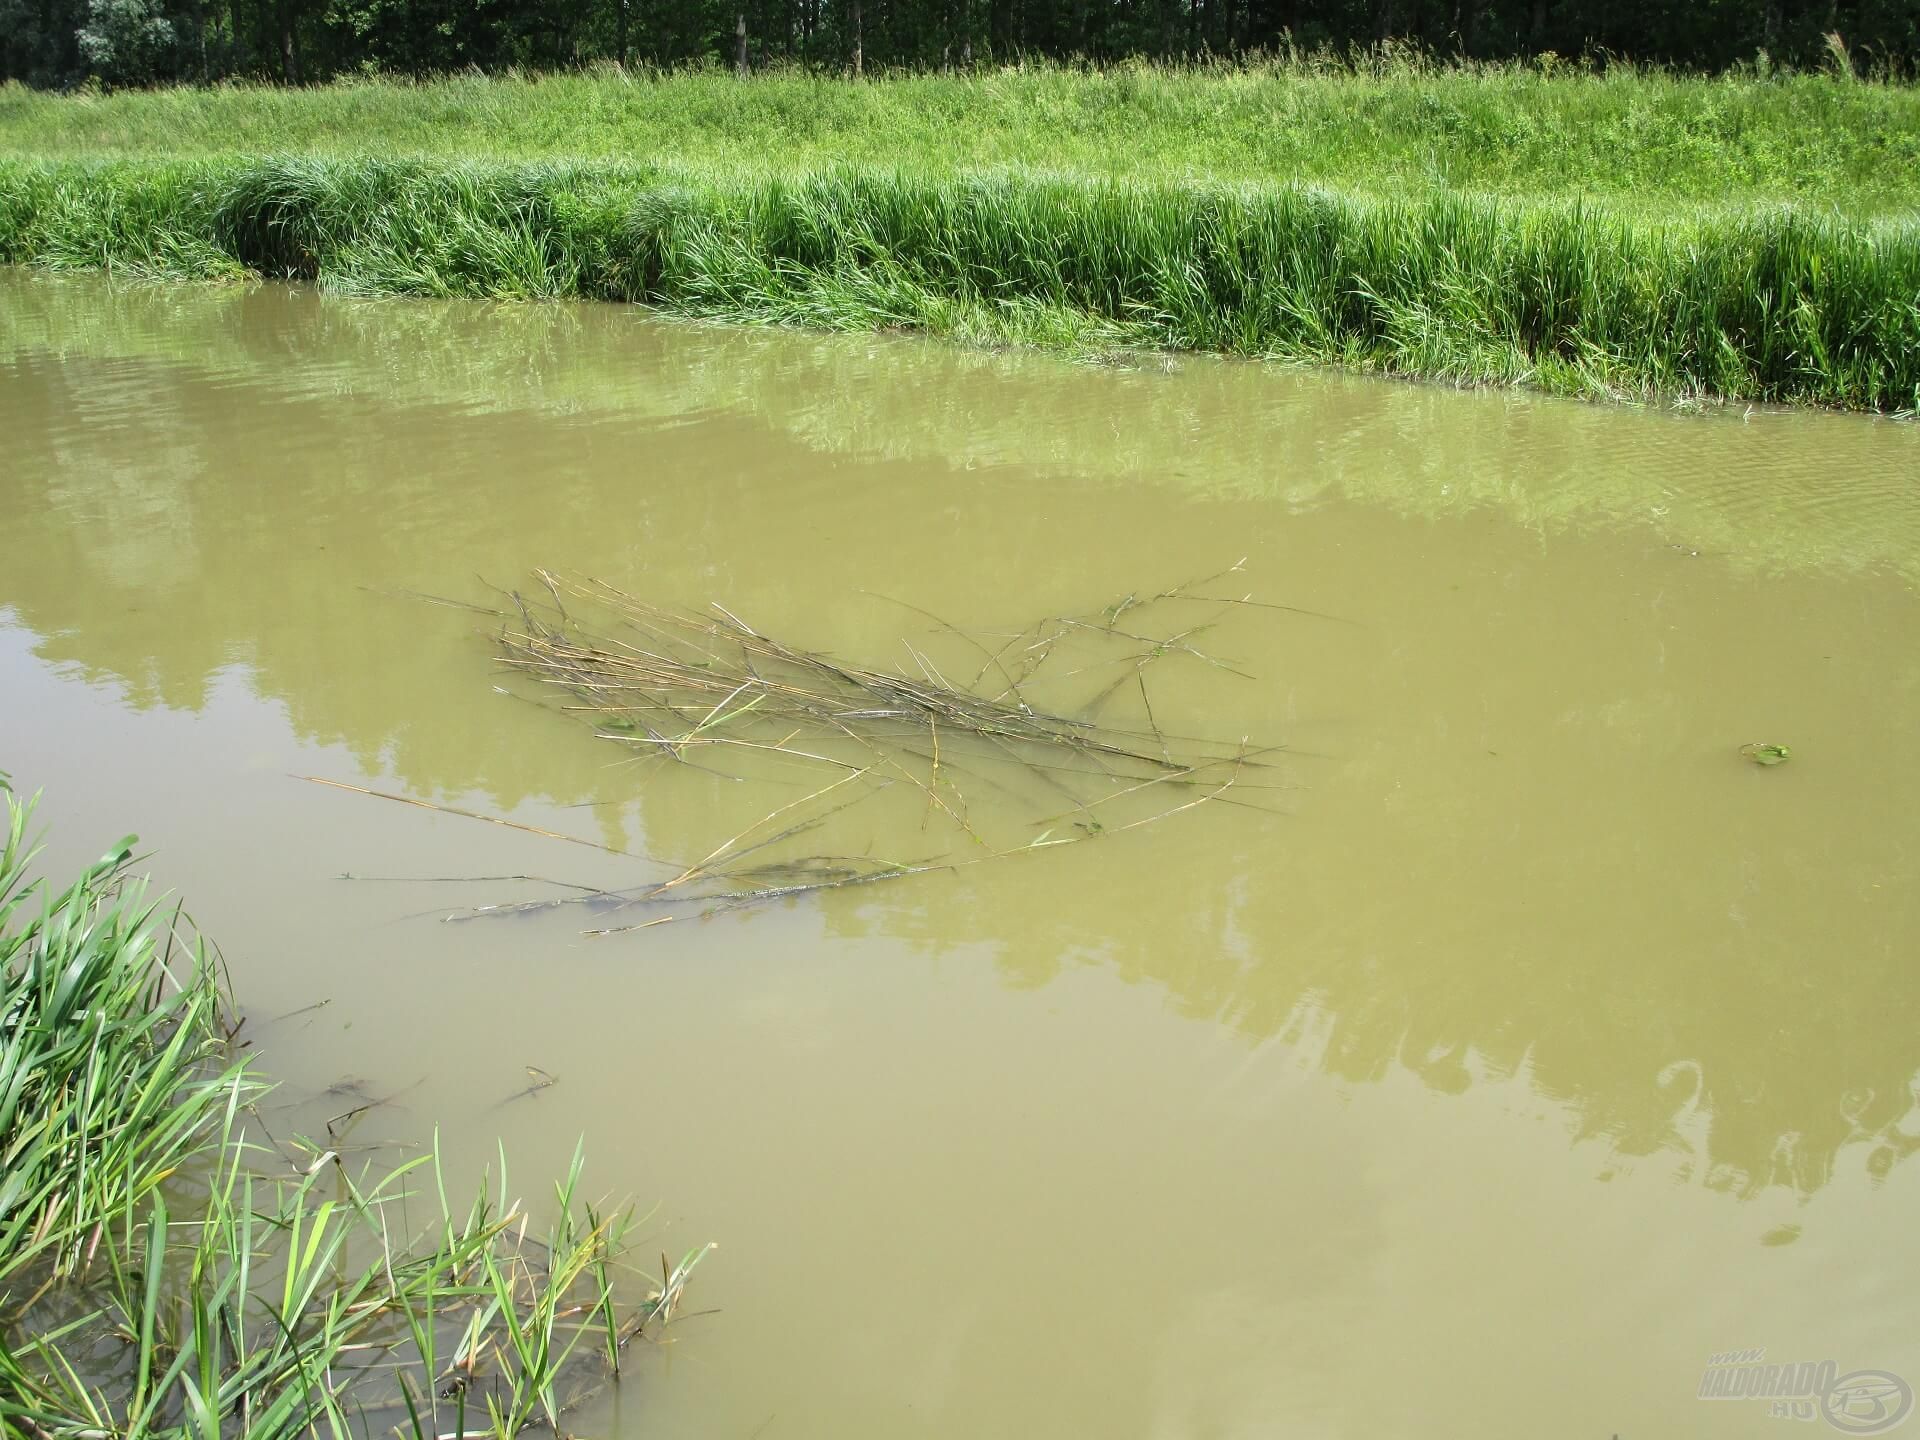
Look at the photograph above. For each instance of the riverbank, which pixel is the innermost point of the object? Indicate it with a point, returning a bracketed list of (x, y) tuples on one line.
[(1753, 240), (168, 1268)]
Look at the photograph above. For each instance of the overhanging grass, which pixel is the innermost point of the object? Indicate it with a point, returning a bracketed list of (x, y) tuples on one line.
[(1774, 304)]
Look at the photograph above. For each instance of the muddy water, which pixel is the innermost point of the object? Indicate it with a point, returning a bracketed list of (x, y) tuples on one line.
[(1522, 1047)]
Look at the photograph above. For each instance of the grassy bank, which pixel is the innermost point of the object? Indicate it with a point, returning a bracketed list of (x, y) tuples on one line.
[(162, 1275), (1627, 233), (1642, 138), (1773, 305)]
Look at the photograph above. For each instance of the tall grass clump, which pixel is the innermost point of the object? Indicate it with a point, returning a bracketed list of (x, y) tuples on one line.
[(114, 1067), (1770, 304), (166, 1277)]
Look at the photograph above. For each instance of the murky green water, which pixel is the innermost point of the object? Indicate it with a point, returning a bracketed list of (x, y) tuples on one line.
[(1527, 1049)]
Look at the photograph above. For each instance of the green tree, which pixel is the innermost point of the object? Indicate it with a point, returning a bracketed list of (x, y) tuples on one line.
[(127, 42)]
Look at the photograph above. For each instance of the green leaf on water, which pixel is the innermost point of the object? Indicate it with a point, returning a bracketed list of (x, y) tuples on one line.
[(1766, 753)]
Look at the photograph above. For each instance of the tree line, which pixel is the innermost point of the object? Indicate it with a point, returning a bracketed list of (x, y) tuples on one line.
[(60, 43)]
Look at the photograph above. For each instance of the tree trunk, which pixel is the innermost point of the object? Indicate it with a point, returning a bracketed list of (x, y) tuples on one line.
[(858, 58), (289, 57), (740, 45), (1539, 39), (623, 33)]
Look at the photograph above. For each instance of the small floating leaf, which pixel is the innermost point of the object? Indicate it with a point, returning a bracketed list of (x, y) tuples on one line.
[(1766, 753)]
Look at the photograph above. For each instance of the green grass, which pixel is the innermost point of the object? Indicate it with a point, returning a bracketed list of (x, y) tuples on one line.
[(1621, 234), (1773, 305), (111, 1071), (1640, 137), (163, 1278)]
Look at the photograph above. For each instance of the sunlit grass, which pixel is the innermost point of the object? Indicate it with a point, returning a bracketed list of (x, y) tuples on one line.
[(1606, 233), (1771, 303), (164, 1277), (1393, 126), (113, 1069)]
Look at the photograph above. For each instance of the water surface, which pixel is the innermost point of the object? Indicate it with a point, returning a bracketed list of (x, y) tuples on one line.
[(1529, 1047)]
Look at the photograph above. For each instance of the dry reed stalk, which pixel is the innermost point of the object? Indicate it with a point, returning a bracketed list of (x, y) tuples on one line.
[(665, 684)]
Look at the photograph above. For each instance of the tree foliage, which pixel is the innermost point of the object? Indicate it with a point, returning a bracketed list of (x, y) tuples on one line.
[(122, 42), (126, 41)]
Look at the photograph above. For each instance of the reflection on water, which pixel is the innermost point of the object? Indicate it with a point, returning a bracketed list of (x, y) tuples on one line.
[(1523, 879), (1226, 429)]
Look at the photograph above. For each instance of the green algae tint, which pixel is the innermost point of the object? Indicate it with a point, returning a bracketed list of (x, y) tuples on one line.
[(1527, 1059)]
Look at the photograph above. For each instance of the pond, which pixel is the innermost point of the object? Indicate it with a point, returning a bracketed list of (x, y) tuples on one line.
[(1512, 1047)]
